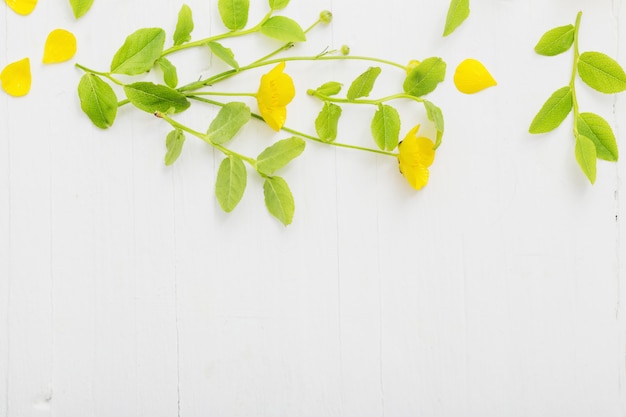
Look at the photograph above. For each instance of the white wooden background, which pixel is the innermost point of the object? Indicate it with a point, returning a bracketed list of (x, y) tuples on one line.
[(495, 291)]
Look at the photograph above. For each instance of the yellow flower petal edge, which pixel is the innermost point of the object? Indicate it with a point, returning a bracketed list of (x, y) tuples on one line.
[(275, 93), (16, 78), (60, 46), (471, 76), (416, 154), (22, 7)]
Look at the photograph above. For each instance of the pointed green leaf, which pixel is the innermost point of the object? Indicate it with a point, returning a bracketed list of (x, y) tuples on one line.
[(184, 25), (362, 86), (601, 72), (234, 13), (140, 51), (599, 131), (232, 117), (327, 121), (97, 100), (230, 183), (553, 111), (80, 7), (329, 89), (424, 78), (458, 11), (278, 4), (284, 29), (556, 41), (174, 145), (278, 199), (386, 127), (586, 156), (279, 154), (152, 97), (436, 116), (223, 53), (170, 75)]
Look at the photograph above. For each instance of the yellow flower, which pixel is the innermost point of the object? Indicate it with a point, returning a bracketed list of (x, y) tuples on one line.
[(16, 78), (22, 7), (275, 92), (60, 46), (471, 76), (416, 155)]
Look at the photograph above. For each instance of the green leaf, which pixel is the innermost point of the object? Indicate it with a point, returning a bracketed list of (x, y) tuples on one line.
[(424, 78), (174, 145), (586, 156), (223, 53), (279, 154), (556, 41), (327, 121), (553, 111), (362, 86), (599, 131), (386, 127), (457, 13), (231, 183), (152, 97), (278, 4), (184, 25), (436, 116), (170, 76), (234, 13), (232, 117), (284, 29), (80, 7), (278, 199), (139, 52), (97, 100), (601, 72), (329, 89)]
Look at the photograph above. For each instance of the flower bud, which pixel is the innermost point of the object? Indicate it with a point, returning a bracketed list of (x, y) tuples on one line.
[(414, 63), (326, 17), (345, 50)]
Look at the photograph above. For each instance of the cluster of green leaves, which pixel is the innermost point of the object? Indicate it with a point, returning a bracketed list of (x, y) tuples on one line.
[(593, 134), (80, 7), (458, 11)]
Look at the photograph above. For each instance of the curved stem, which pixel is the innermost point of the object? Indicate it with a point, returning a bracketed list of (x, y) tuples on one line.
[(286, 46), (219, 93), (102, 74), (361, 101), (572, 83)]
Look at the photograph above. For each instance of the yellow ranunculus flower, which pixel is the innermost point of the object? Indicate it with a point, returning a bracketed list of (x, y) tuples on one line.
[(416, 155), (16, 78), (60, 46), (471, 76), (22, 7), (275, 92)]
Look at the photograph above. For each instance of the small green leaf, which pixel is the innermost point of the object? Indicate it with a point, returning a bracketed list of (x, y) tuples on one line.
[(457, 12), (362, 86), (234, 13), (553, 111), (436, 116), (80, 7), (327, 121), (223, 53), (278, 199), (97, 100), (184, 25), (329, 89), (174, 145), (601, 72), (556, 41), (386, 127), (152, 97), (232, 117), (140, 51), (424, 78), (278, 4), (599, 131), (279, 154), (231, 183), (586, 156), (284, 29), (170, 76)]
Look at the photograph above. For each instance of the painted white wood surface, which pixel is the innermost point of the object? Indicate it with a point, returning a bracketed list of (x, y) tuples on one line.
[(495, 291)]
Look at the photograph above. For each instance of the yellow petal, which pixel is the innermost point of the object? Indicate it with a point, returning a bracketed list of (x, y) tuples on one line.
[(22, 7), (16, 78), (471, 76), (60, 46), (274, 117), (417, 176)]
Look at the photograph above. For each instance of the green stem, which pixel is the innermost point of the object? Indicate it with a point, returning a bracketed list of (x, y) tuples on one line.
[(219, 93), (361, 101), (572, 83), (102, 74)]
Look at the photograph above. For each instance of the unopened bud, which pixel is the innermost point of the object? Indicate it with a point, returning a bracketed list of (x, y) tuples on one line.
[(414, 63), (345, 50), (326, 17)]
